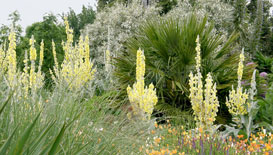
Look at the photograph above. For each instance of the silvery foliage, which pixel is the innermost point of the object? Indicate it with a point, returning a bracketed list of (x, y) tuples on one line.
[(114, 25), (218, 12)]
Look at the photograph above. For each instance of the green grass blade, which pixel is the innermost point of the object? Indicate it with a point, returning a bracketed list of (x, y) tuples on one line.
[(38, 141), (5, 146), (57, 141), (5, 104), (18, 148)]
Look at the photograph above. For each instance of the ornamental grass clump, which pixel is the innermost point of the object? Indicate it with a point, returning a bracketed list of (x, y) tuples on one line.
[(142, 99), (237, 100), (76, 69), (205, 109)]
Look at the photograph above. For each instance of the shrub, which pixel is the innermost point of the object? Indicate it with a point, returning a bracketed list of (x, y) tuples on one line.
[(112, 27)]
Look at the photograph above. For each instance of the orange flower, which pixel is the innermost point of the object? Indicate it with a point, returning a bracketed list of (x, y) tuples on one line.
[(160, 127), (230, 139), (157, 140), (200, 130), (240, 136), (174, 151), (268, 147)]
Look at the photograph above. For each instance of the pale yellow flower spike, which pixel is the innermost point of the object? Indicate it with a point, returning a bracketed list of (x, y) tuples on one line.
[(142, 99), (33, 55), (204, 110), (108, 61), (25, 76), (11, 60), (3, 62), (41, 55), (237, 100), (198, 57)]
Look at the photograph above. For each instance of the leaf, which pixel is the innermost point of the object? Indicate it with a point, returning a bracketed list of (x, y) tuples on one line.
[(18, 148), (5, 104), (57, 141), (38, 141), (5, 146)]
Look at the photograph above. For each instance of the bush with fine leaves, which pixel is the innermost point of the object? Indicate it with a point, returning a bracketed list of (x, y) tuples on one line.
[(113, 26)]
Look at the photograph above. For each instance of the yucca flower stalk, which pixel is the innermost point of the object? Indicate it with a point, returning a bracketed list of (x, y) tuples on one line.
[(237, 100), (76, 69), (205, 108), (142, 99)]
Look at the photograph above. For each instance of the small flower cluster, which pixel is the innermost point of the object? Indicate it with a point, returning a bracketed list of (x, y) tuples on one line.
[(237, 100), (260, 143), (204, 110), (76, 69), (171, 140), (142, 100)]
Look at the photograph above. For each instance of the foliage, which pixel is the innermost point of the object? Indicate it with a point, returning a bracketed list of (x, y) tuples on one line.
[(266, 108), (264, 62), (240, 18), (169, 50), (166, 5), (5, 30), (218, 12), (78, 21), (261, 20)]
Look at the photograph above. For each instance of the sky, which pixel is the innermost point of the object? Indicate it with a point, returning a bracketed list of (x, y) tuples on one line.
[(33, 10)]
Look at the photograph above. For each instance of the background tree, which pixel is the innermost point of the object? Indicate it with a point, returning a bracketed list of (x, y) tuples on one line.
[(262, 22), (240, 20), (14, 18), (166, 5), (78, 21)]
